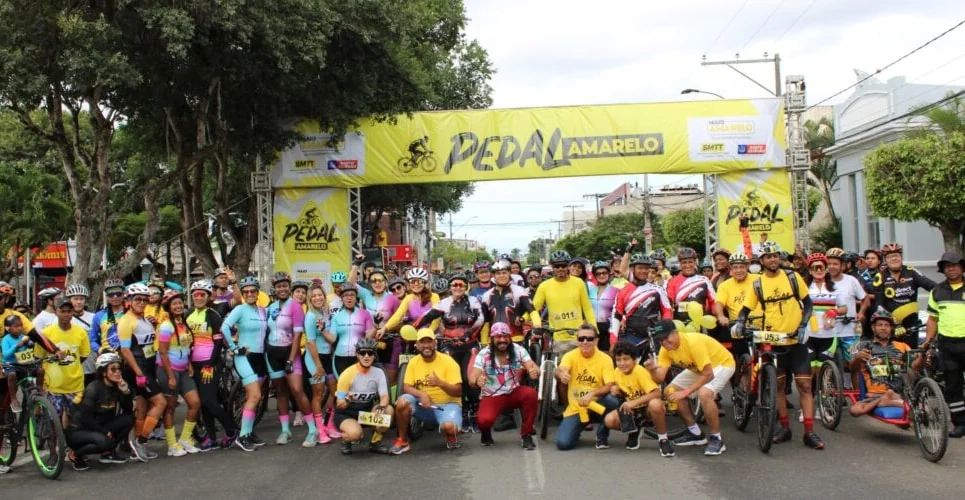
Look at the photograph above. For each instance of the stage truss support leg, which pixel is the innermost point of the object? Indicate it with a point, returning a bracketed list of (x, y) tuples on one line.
[(798, 157), (711, 238), (355, 220), (261, 188)]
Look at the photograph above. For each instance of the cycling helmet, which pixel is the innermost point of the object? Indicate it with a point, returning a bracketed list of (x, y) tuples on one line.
[(500, 329), (156, 284), (203, 285), (502, 265), (721, 251), (458, 277), (881, 313), (77, 290), (113, 283), (850, 257), (659, 254), (135, 289), (169, 296), (279, 277), (769, 248), (686, 253), (560, 256), (248, 281), (366, 344), (817, 257), (47, 293), (338, 277), (106, 359), (481, 265), (640, 259), (835, 253), (417, 273), (601, 264), (706, 264), (378, 271), (874, 251), (301, 284), (396, 281), (440, 285), (581, 261), (348, 288), (219, 271), (890, 248), (738, 257)]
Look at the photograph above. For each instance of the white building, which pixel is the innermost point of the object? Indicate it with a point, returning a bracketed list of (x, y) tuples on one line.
[(872, 115)]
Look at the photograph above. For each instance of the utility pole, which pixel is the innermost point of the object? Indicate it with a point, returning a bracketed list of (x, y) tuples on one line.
[(597, 197), (776, 61), (572, 217), (647, 228)]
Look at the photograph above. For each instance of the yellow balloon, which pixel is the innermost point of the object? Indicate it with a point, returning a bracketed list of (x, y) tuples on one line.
[(691, 327), (408, 333), (709, 322), (695, 312), (679, 324)]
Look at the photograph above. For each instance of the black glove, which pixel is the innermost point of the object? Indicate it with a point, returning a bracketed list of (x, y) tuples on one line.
[(289, 367)]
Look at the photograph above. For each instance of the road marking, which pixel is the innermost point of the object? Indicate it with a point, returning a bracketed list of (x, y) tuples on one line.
[(533, 466)]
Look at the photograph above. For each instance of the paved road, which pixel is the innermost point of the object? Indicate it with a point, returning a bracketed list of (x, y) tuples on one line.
[(863, 458)]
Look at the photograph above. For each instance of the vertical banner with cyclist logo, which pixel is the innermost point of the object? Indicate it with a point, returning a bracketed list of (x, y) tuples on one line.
[(311, 232), (764, 196)]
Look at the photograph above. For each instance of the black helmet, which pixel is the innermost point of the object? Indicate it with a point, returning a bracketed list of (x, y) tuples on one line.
[(640, 259), (366, 344), (560, 256), (686, 253)]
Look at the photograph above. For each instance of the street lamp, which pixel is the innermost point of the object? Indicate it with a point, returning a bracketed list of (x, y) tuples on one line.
[(695, 91)]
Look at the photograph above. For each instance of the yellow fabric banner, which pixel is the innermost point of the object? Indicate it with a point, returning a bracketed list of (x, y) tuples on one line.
[(765, 197), (480, 145), (311, 228)]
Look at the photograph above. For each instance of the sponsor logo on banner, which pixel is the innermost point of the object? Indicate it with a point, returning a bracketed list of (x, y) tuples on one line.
[(751, 149), (304, 164), (764, 197), (310, 232), (713, 148), (343, 164), (730, 128), (761, 212)]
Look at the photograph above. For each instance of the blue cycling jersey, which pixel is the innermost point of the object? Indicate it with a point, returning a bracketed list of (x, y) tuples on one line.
[(251, 322), (314, 334)]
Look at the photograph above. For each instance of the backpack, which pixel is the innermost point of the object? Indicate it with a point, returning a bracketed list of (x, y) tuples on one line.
[(791, 277)]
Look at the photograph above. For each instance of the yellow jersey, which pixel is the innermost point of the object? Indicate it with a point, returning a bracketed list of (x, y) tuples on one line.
[(586, 376), (696, 351), (446, 368), (782, 310), (568, 304)]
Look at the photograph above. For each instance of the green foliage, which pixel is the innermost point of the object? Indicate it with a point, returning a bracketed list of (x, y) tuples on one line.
[(537, 249), (818, 136), (826, 236), (921, 178), (814, 202), (607, 236), (950, 117), (685, 228), (129, 226)]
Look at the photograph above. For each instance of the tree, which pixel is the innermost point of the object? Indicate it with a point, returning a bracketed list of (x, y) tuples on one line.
[(608, 236), (824, 170), (454, 254), (921, 178), (537, 249), (948, 117), (515, 254), (685, 228)]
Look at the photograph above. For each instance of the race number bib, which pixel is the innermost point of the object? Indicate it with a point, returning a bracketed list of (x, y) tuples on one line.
[(374, 420), (148, 350), (24, 357), (405, 358), (879, 371), (565, 316)]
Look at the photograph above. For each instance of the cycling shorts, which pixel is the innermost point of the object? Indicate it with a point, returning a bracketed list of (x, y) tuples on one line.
[(251, 367), (389, 357), (342, 363), (818, 350), (148, 368), (326, 360), (796, 358), (183, 385), (276, 357)]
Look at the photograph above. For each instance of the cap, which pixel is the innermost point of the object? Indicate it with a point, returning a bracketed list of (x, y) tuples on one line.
[(949, 258), (63, 301), (425, 333), (662, 329)]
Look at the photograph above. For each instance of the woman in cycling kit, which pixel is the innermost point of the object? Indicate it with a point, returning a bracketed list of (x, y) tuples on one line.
[(318, 364), (174, 376), (418, 302), (251, 321), (346, 327)]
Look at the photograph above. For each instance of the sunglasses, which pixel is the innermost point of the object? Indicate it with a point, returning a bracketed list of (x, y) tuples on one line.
[(156, 293), (585, 339), (458, 285), (818, 268), (201, 295), (247, 292), (139, 298), (377, 281), (115, 295), (560, 266), (365, 353), (601, 273), (396, 288), (416, 280)]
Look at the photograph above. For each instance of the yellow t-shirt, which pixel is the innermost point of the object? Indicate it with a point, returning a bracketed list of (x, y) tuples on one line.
[(695, 352), (732, 294), (568, 303), (586, 375), (69, 379), (782, 312), (635, 384), (446, 369)]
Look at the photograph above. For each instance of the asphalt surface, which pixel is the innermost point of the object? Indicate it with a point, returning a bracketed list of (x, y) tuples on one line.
[(863, 458)]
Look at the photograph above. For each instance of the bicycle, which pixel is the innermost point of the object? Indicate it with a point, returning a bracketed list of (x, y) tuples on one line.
[(38, 419), (829, 387), (427, 161), (546, 389), (757, 389)]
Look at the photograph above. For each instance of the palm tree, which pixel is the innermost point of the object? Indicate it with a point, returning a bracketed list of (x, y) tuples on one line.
[(824, 170), (949, 117)]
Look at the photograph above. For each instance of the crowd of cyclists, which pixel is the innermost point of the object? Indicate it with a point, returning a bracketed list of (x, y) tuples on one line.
[(334, 352)]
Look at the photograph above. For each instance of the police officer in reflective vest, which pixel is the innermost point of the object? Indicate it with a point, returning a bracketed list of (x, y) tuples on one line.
[(946, 322)]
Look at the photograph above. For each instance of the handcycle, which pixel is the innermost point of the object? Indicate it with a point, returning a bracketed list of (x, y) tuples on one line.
[(756, 390), (924, 405), (38, 419)]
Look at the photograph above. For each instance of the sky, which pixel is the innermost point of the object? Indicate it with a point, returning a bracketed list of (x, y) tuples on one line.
[(564, 52)]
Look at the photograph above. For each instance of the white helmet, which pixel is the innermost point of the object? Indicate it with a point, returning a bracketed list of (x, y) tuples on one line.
[(501, 265), (417, 273), (204, 285), (106, 359), (77, 290), (137, 289), (46, 293)]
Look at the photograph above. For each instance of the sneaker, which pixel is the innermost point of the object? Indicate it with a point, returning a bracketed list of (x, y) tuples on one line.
[(112, 458), (378, 448), (226, 441), (487, 438), (4, 469), (299, 419), (284, 437), (323, 437), (138, 452), (452, 443), (176, 451), (78, 463), (957, 432), (715, 446), (633, 441), (691, 440), (157, 434), (346, 448), (666, 449), (208, 444), (149, 454), (602, 444), (244, 442), (15, 406), (310, 440), (466, 427), (188, 446), (811, 440), (528, 443), (782, 435), (399, 447), (255, 440)]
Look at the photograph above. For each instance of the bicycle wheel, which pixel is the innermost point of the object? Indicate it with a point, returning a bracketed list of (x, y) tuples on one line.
[(46, 437), (930, 415), (429, 163), (742, 393), (263, 404), (830, 385), (405, 165), (546, 404), (9, 437), (536, 354), (236, 402), (399, 383), (767, 407)]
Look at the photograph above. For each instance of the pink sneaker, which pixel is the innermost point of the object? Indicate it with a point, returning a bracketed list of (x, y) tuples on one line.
[(330, 426), (323, 437)]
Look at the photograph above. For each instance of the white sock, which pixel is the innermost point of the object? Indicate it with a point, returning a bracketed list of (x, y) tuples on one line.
[(661, 437), (717, 435), (694, 429)]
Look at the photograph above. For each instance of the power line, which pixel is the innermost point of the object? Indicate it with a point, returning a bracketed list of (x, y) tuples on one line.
[(917, 111), (892, 63), (759, 28), (741, 9), (794, 23)]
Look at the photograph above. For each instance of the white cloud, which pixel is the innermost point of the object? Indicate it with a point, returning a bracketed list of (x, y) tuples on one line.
[(564, 52)]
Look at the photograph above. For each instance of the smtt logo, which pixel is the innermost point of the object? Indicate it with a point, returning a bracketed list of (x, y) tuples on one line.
[(715, 147), (310, 233)]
